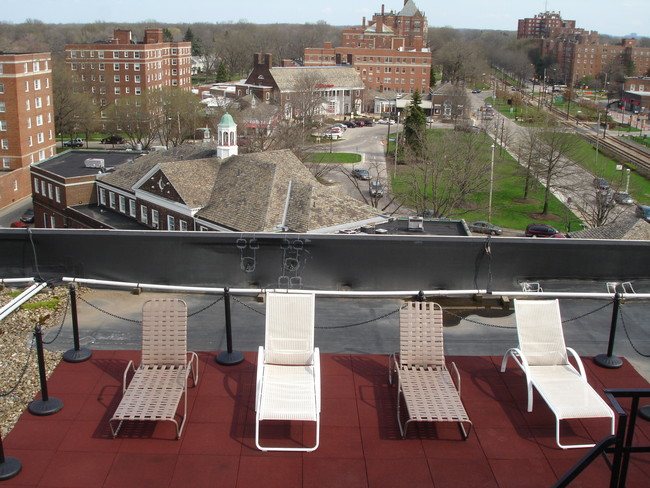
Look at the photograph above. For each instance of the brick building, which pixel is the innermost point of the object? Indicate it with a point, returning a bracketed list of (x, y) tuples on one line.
[(636, 95), (26, 120), (389, 52), (121, 67), (580, 54), (325, 90)]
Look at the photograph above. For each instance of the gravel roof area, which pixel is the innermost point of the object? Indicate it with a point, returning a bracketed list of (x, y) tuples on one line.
[(19, 379)]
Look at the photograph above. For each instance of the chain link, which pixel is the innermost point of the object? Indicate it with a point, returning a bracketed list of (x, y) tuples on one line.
[(620, 313), (485, 324), (206, 307), (22, 373), (65, 314)]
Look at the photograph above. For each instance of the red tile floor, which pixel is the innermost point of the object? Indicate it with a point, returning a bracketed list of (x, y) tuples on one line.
[(360, 444)]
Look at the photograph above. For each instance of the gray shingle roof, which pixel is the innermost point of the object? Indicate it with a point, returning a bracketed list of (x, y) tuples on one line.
[(127, 175), (193, 179), (409, 9), (290, 79), (629, 229)]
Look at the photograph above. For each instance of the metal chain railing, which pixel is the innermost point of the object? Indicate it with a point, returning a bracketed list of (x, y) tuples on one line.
[(134, 321), (627, 334), (22, 373), (484, 324), (65, 314)]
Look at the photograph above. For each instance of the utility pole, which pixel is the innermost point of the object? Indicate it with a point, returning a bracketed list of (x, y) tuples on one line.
[(491, 185)]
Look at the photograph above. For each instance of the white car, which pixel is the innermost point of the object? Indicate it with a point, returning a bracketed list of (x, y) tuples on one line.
[(386, 121)]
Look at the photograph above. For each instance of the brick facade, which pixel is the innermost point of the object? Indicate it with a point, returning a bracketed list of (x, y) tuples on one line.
[(123, 68), (26, 120)]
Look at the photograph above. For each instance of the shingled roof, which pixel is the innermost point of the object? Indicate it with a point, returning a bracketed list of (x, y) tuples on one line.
[(633, 229), (409, 10), (127, 175), (289, 79), (253, 191)]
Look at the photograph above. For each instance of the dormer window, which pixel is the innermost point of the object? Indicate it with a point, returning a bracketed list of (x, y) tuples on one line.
[(260, 77)]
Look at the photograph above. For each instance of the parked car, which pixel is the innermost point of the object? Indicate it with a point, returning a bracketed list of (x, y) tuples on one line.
[(605, 199), (361, 174), (368, 123), (113, 140), (18, 224), (334, 130), (623, 198), (74, 143), (476, 91), (601, 184), (643, 211), (351, 124), (482, 227), (386, 121), (343, 127), (28, 216), (376, 189), (542, 230)]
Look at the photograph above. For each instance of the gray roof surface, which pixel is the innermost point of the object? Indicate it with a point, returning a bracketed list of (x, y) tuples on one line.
[(70, 164), (630, 229), (409, 9), (126, 176), (193, 179), (289, 79)]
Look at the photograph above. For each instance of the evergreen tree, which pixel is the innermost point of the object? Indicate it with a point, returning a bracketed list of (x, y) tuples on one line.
[(415, 123), (222, 73), (167, 35), (197, 48)]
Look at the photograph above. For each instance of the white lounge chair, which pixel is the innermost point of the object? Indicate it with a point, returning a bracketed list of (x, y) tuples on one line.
[(160, 382), (288, 366), (542, 355), (423, 379)]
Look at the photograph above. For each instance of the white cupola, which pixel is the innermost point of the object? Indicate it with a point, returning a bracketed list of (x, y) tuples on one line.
[(226, 137)]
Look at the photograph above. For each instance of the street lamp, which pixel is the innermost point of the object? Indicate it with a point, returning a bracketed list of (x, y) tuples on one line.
[(627, 184), (491, 185)]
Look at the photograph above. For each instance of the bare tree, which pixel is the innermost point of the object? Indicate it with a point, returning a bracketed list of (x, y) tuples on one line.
[(180, 114), (135, 118), (450, 168)]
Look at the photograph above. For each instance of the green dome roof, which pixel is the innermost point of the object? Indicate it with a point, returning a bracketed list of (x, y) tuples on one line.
[(227, 121)]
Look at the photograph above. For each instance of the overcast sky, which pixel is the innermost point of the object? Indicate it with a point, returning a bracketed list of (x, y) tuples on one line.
[(617, 18)]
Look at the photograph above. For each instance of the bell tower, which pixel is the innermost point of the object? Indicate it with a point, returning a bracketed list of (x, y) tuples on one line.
[(226, 137)]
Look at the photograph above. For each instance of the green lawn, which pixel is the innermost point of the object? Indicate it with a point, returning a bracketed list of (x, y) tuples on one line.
[(641, 140), (333, 158), (508, 208)]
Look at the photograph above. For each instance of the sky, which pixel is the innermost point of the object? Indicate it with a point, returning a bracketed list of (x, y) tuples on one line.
[(619, 18)]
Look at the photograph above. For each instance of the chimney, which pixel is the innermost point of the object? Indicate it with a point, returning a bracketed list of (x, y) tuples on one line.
[(363, 24), (267, 60), (153, 36), (382, 9), (327, 45)]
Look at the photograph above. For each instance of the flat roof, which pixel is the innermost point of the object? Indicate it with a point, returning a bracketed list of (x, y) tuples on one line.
[(431, 227), (109, 218), (71, 163)]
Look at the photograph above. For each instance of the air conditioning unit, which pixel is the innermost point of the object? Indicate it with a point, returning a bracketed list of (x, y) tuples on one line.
[(94, 163), (415, 224)]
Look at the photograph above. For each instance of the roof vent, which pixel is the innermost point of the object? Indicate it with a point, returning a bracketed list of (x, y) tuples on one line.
[(94, 163), (415, 224)]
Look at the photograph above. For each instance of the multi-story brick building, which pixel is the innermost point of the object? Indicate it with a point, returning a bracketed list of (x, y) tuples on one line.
[(26, 120), (580, 54), (389, 52), (122, 67)]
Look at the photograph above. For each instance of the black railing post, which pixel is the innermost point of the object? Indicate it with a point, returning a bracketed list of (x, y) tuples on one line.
[(45, 405), (228, 357), (609, 360), (9, 466), (77, 354)]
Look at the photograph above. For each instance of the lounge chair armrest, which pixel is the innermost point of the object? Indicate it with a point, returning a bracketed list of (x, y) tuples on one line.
[(260, 373), (393, 366), (518, 357), (126, 372), (455, 370), (578, 361), (317, 376), (193, 364)]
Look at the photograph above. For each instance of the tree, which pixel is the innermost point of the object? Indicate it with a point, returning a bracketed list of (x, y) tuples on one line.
[(167, 35), (74, 110), (135, 120), (222, 73), (555, 166), (448, 169), (180, 114), (415, 123)]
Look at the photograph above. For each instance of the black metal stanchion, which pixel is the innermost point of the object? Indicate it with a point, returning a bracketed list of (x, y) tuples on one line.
[(609, 360), (228, 357), (45, 405), (77, 354), (9, 466)]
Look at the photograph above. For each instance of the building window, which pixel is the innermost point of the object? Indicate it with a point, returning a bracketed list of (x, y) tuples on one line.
[(100, 54), (6, 163), (111, 199), (116, 66), (138, 90), (132, 208), (183, 225), (136, 78), (43, 188), (36, 186), (39, 120), (5, 144), (50, 191), (3, 125), (102, 66), (171, 222), (144, 215), (40, 138), (117, 91), (116, 78), (57, 194), (3, 107), (15, 185), (116, 54), (154, 217), (122, 204), (38, 102), (136, 67)]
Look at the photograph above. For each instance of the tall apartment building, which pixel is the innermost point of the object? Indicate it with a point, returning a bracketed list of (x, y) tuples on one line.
[(389, 52), (579, 53), (26, 120), (122, 67)]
